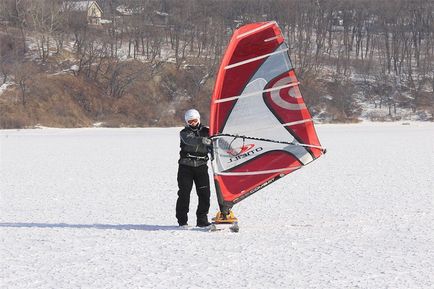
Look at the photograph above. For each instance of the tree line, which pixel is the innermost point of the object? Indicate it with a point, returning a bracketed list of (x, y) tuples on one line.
[(387, 44)]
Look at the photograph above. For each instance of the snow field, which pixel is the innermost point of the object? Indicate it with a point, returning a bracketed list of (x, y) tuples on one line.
[(95, 208)]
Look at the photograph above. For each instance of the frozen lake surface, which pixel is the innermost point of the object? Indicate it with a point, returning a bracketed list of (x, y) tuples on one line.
[(95, 208)]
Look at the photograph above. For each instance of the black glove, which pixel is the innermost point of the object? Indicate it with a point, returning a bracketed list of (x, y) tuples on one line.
[(206, 141)]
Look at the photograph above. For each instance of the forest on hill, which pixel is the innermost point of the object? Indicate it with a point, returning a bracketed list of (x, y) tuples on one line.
[(143, 63)]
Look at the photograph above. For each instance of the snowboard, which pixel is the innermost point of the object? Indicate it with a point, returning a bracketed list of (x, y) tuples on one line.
[(232, 227), (225, 222)]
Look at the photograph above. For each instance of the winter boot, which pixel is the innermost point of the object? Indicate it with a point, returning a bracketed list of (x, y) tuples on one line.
[(203, 222)]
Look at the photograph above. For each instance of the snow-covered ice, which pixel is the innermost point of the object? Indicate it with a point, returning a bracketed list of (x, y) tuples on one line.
[(95, 208)]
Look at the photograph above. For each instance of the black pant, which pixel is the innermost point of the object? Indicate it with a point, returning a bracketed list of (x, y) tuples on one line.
[(186, 176)]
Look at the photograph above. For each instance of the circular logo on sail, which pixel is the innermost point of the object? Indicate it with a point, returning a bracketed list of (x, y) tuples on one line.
[(285, 93)]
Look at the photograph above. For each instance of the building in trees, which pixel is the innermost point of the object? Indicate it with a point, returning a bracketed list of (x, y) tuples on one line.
[(89, 11)]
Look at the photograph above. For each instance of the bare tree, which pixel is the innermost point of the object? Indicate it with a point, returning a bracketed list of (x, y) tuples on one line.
[(46, 20), (23, 72), (18, 13), (119, 77)]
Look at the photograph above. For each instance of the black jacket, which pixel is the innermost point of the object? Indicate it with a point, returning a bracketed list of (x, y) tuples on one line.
[(194, 152)]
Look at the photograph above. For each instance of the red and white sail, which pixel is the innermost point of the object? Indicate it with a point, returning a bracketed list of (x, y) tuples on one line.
[(259, 123)]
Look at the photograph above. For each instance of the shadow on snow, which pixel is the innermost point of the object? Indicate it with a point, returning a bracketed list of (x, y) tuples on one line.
[(92, 226)]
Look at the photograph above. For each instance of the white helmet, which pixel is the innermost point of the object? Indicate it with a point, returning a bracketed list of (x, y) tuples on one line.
[(191, 114)]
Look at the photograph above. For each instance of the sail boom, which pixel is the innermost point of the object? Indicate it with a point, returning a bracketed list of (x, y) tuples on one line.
[(268, 140)]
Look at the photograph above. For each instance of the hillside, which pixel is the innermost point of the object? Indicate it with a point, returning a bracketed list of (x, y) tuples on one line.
[(131, 93)]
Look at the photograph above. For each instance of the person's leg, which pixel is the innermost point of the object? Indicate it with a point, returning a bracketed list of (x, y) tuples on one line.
[(201, 181), (185, 184)]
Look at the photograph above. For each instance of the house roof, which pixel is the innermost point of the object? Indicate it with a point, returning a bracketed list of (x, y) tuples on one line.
[(81, 5)]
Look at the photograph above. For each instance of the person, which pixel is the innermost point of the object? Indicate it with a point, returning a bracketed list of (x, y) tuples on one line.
[(192, 167)]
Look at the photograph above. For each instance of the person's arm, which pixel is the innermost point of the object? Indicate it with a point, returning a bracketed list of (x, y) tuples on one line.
[(189, 138)]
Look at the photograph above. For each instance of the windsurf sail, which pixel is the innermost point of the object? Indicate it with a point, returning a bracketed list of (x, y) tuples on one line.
[(260, 126)]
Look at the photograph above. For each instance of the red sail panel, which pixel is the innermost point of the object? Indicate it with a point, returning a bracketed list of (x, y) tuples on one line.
[(236, 187), (288, 105), (231, 82)]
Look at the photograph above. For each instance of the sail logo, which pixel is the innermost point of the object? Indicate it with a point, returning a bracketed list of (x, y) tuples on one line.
[(244, 152), (285, 94), (240, 150)]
